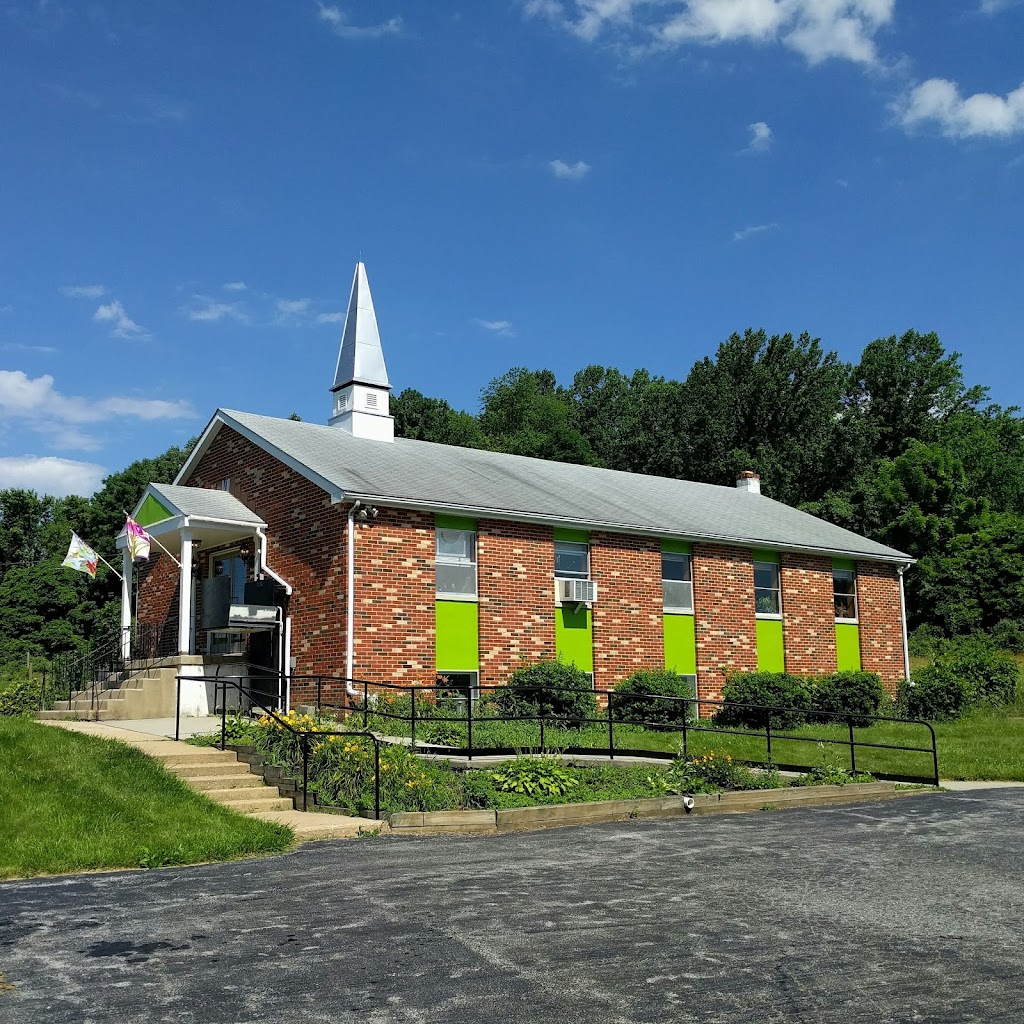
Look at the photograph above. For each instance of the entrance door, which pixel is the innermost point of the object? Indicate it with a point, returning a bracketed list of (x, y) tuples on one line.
[(229, 564)]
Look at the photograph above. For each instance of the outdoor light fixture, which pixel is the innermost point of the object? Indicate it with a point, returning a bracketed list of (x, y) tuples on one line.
[(368, 512)]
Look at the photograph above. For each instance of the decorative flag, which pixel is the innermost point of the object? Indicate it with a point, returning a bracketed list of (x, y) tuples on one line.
[(80, 556), (138, 540)]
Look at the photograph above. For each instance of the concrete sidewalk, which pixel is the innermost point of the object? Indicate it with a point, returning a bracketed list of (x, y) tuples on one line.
[(221, 777)]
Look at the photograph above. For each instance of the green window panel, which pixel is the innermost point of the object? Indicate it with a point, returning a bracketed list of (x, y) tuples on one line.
[(152, 511), (771, 655), (847, 646), (680, 645), (574, 637), (454, 523), (457, 644), (766, 556), (574, 536), (675, 547), (844, 563)]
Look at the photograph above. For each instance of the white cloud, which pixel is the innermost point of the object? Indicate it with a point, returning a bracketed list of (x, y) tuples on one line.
[(292, 307), (816, 29), (35, 402), (760, 137), (210, 310), (338, 21), (16, 346), (938, 101), (234, 286), (84, 291), (330, 318), (569, 172), (49, 475), (503, 328), (124, 326), (753, 229), (997, 6)]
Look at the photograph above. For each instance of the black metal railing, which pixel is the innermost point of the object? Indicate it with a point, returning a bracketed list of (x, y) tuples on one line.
[(83, 675), (252, 699)]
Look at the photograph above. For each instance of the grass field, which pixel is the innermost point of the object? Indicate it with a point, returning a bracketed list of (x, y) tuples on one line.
[(70, 802)]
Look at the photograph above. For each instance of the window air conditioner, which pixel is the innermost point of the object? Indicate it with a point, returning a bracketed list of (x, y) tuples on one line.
[(577, 591)]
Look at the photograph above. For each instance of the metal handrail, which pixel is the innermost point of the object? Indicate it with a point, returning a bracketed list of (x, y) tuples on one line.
[(224, 681)]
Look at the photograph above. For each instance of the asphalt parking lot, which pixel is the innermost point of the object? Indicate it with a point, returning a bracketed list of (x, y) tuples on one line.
[(909, 910)]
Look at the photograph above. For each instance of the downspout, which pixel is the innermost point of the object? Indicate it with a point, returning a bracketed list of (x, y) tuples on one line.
[(903, 621), (350, 600), (286, 624)]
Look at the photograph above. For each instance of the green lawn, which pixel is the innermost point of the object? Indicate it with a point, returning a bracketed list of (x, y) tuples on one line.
[(70, 802)]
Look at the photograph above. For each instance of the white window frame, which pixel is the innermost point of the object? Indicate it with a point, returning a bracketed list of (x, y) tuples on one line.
[(777, 588), (441, 558), (856, 605), (672, 556)]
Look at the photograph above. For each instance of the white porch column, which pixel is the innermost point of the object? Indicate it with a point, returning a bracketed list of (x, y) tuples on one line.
[(185, 594), (126, 603)]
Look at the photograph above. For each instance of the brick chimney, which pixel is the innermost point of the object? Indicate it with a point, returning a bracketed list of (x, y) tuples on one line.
[(749, 481)]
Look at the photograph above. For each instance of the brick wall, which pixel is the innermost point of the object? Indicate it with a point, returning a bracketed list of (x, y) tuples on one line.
[(627, 615), (515, 569), (724, 623), (158, 602), (881, 632), (394, 598), (808, 614)]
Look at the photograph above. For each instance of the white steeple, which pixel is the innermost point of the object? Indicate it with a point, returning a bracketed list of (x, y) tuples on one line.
[(361, 387)]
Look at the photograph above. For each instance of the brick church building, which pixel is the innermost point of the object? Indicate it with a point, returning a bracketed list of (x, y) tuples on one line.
[(380, 558)]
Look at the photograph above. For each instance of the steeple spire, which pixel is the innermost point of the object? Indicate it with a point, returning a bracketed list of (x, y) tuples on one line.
[(361, 387), (361, 359)]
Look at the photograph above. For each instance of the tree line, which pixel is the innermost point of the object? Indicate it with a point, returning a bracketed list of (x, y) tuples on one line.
[(897, 447)]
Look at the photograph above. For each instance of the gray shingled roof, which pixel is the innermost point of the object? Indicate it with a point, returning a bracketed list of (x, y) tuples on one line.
[(207, 503), (464, 480)]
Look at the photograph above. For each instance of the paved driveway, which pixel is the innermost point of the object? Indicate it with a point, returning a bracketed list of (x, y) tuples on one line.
[(910, 910)]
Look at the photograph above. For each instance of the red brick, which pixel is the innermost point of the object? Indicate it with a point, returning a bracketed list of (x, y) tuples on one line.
[(808, 614)]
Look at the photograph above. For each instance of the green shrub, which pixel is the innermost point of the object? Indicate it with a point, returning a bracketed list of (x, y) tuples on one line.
[(1008, 635), (937, 694), (549, 688), (635, 699), (706, 773), (20, 698), (790, 694), (991, 678), (855, 695), (535, 776), (442, 732), (832, 772)]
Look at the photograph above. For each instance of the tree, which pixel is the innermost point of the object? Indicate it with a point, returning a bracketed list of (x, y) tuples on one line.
[(433, 419)]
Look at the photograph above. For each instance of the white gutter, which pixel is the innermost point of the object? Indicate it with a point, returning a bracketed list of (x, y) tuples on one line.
[(903, 620), (350, 600), (286, 624)]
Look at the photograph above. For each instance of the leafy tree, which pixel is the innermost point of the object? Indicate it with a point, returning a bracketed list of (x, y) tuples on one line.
[(433, 419)]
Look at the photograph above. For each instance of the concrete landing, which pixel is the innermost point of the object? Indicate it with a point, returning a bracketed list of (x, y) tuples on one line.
[(221, 777)]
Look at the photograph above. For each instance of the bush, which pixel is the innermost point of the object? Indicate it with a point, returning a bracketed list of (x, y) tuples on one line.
[(535, 776), (634, 699), (855, 695), (990, 677), (705, 773), (1008, 635), (20, 698), (937, 694), (790, 694), (832, 772), (551, 689)]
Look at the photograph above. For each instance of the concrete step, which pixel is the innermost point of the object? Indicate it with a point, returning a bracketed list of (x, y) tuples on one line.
[(207, 769), (220, 783), (246, 801), (202, 757)]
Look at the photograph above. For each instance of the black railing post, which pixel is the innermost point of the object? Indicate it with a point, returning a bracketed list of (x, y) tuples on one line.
[(376, 778), (853, 749), (469, 728), (412, 714), (541, 718), (42, 691), (611, 730), (177, 708), (366, 703), (319, 691), (305, 768), (768, 735), (686, 711), (223, 716), (935, 753)]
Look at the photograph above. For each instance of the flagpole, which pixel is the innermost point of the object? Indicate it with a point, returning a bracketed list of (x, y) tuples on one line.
[(109, 566), (157, 543)]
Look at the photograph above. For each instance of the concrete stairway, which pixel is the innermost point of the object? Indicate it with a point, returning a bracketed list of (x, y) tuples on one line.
[(122, 696)]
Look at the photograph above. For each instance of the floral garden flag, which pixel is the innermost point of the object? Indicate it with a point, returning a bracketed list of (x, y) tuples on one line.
[(138, 539), (80, 556)]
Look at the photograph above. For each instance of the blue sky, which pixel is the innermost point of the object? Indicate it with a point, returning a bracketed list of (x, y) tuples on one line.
[(187, 186)]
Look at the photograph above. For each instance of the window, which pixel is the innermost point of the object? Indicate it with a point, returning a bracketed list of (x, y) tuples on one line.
[(572, 560), (232, 565), (456, 563), (767, 589), (676, 583), (455, 688), (844, 593), (224, 485)]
